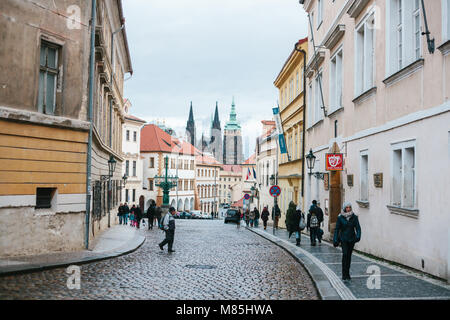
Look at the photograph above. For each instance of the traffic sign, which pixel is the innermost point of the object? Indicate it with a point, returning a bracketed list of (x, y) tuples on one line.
[(275, 191), (246, 196)]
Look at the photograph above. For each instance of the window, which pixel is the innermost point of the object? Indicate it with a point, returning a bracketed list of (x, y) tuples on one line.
[(127, 167), (128, 135), (286, 95), (48, 76), (319, 13), (336, 81), (310, 105), (445, 20), (134, 136), (364, 176), (318, 98), (297, 85), (44, 197), (134, 169), (404, 175), (150, 184), (296, 145), (403, 34), (291, 90), (364, 56), (127, 198), (134, 195), (152, 163)]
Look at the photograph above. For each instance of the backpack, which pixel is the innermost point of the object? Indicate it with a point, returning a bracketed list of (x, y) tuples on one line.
[(302, 224), (314, 222)]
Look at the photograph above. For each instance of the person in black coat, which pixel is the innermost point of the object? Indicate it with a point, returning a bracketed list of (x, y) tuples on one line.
[(319, 214), (265, 217), (137, 215), (151, 215), (347, 233), (126, 213)]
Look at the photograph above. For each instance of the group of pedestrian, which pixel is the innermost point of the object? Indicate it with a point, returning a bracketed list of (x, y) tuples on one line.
[(134, 215), (295, 221), (252, 217), (154, 214)]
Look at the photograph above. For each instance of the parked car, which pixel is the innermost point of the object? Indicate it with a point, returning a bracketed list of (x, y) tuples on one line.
[(206, 215), (196, 214), (232, 215), (185, 215), (177, 215)]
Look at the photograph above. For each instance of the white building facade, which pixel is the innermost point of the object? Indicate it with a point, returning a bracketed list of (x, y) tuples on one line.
[(207, 182), (266, 164), (132, 164), (156, 145), (389, 115)]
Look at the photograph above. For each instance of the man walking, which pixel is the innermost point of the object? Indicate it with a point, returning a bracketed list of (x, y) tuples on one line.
[(126, 213), (319, 214), (276, 214), (312, 226), (151, 215), (168, 224)]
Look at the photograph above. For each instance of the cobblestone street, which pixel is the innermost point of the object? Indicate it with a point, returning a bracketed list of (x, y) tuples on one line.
[(213, 260)]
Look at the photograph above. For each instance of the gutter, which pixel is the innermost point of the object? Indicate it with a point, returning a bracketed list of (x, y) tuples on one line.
[(90, 103)]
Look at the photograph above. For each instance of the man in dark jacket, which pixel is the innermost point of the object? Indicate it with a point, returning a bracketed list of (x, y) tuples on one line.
[(137, 215), (120, 213), (126, 213), (158, 214), (151, 215), (256, 220), (319, 214), (312, 225), (276, 214), (168, 223), (265, 217), (347, 233)]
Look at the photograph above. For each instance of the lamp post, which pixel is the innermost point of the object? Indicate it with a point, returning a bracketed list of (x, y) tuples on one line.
[(111, 168), (273, 181), (310, 161), (166, 182)]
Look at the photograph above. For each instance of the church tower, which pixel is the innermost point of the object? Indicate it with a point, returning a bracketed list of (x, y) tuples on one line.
[(190, 128), (232, 139), (216, 137)]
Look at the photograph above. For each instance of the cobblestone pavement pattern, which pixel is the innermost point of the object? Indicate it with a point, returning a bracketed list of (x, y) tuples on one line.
[(213, 260)]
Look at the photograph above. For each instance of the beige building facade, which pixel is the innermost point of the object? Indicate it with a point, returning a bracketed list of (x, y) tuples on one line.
[(386, 108), (45, 125)]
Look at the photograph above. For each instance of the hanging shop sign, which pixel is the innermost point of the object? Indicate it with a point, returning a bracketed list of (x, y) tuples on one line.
[(334, 161)]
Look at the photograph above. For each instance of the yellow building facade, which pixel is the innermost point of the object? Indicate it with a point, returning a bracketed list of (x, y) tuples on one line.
[(290, 83)]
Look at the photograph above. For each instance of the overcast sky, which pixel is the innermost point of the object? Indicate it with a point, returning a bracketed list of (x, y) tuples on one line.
[(206, 51)]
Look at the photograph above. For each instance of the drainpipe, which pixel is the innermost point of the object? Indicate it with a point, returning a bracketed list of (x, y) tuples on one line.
[(90, 102), (304, 118)]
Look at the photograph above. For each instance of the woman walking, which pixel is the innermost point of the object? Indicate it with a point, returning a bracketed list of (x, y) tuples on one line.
[(247, 217), (251, 216), (293, 217), (347, 233), (265, 217)]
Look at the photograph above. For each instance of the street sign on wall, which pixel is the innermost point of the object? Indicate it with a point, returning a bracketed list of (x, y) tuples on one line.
[(275, 191), (334, 162), (246, 196)]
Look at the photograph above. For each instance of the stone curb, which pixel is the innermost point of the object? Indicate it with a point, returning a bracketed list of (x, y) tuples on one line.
[(321, 281), (130, 247)]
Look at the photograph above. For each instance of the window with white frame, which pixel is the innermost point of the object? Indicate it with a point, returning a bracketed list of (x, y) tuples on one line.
[(364, 55), (336, 81), (403, 34), (317, 98), (310, 105), (297, 84), (291, 90), (445, 20), (364, 176), (319, 13), (296, 145), (404, 175)]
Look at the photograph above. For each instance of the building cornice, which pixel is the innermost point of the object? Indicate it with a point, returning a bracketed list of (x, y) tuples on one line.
[(357, 7), (19, 115), (333, 38)]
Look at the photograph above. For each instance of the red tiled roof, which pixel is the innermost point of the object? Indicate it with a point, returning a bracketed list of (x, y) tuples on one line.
[(251, 160), (131, 117), (232, 168), (239, 203), (154, 139), (199, 159), (268, 122)]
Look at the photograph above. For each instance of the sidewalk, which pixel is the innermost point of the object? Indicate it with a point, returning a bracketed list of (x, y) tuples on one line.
[(323, 263), (114, 242)]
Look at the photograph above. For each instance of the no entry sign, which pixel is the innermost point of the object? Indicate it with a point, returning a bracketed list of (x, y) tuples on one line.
[(275, 191)]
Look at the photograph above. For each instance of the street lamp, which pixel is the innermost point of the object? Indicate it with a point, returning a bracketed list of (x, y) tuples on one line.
[(273, 182), (310, 162), (125, 178), (111, 168)]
